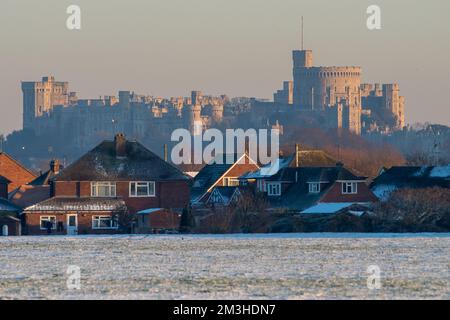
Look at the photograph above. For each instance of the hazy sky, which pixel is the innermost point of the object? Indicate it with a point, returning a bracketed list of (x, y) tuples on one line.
[(235, 47)]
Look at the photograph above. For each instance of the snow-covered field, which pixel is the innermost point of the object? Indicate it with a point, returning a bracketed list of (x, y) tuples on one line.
[(295, 266)]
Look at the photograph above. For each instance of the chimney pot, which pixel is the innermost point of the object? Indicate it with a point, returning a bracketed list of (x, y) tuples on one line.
[(120, 144), (55, 166)]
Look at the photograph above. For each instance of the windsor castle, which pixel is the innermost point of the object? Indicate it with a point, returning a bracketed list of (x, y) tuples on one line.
[(333, 94)]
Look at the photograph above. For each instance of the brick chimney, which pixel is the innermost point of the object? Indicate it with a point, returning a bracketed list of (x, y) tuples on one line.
[(120, 144), (4, 187), (55, 166)]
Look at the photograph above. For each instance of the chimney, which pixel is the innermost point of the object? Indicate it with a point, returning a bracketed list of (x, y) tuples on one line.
[(297, 155), (4, 187), (120, 144), (166, 158), (55, 166)]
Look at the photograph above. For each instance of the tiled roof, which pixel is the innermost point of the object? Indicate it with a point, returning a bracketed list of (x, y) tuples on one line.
[(102, 164), (27, 195), (8, 206), (79, 204), (4, 180), (410, 177), (212, 172)]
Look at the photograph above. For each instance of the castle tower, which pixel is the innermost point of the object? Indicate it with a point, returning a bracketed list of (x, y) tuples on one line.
[(217, 113), (393, 102), (40, 98), (195, 120)]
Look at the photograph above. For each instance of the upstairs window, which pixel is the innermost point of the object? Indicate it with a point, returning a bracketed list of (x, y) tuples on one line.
[(230, 182), (274, 189), (314, 187), (103, 189), (349, 188), (142, 189)]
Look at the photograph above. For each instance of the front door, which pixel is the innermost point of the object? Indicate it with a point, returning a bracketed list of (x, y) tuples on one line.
[(72, 224)]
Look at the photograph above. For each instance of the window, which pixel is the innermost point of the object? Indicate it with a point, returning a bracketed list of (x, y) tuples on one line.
[(46, 220), (142, 189), (230, 182), (104, 222), (103, 189), (349, 188), (314, 187), (274, 189)]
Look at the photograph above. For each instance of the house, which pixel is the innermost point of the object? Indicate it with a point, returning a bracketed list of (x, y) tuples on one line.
[(223, 171), (158, 220), (411, 177), (301, 158), (15, 172), (297, 189), (37, 190), (9, 222), (103, 190)]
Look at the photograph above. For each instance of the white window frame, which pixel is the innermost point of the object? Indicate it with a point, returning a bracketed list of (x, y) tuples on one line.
[(100, 217), (46, 218), (271, 191), (146, 184), (111, 185), (352, 185), (314, 187)]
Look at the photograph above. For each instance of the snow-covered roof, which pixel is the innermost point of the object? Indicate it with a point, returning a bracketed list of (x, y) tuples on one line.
[(331, 207), (149, 211), (79, 204)]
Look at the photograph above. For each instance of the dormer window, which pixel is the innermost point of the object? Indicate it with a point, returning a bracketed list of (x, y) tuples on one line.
[(314, 187), (349, 188)]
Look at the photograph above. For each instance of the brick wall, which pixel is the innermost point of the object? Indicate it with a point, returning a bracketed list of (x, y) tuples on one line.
[(169, 194), (335, 194), (14, 172), (33, 221)]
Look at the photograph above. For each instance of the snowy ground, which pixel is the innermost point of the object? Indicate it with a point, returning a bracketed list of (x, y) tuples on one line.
[(298, 266)]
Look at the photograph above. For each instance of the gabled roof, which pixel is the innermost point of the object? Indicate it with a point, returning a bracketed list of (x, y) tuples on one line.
[(102, 164), (4, 154), (27, 195), (214, 171), (43, 179), (226, 193), (61, 204), (315, 174), (307, 158)]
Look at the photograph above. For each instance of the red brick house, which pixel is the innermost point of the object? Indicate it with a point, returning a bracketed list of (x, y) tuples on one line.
[(15, 172), (299, 189), (9, 223), (103, 190)]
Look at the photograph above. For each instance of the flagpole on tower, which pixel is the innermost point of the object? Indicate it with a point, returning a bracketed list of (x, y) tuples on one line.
[(302, 33)]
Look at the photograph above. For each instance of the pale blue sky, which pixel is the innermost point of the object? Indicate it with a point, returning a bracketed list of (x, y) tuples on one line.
[(235, 47)]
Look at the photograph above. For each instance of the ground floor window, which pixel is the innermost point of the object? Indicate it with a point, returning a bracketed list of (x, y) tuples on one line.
[(48, 222), (104, 222)]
